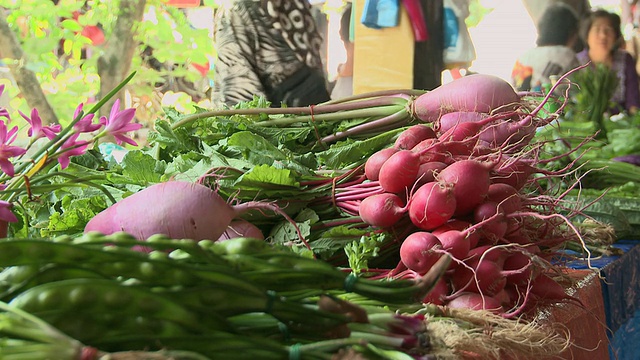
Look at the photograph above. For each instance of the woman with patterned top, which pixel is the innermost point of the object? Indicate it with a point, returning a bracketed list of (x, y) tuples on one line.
[(268, 48)]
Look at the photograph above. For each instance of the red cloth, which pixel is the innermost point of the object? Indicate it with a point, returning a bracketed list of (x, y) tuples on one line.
[(586, 325)]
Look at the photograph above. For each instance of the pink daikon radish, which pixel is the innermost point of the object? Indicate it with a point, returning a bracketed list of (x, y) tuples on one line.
[(177, 209), (478, 92), (241, 228)]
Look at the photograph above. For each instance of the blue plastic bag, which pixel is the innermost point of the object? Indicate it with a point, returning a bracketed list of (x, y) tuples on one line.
[(379, 14)]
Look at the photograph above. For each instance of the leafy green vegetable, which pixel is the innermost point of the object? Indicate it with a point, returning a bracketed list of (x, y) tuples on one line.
[(361, 251)]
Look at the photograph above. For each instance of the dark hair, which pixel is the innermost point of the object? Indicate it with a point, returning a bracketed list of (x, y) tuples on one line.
[(557, 25), (613, 18), (345, 24)]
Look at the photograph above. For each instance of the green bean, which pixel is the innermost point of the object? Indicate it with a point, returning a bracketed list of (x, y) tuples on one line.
[(20, 278), (219, 345), (118, 262), (285, 271), (97, 296), (245, 246), (157, 242), (207, 300), (90, 328)]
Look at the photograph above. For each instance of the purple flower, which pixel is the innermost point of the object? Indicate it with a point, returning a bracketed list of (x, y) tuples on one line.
[(37, 130), (4, 113), (84, 125), (70, 148), (119, 123), (6, 150), (5, 212)]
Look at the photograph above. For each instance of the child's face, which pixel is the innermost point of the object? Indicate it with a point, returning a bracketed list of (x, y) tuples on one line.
[(602, 36)]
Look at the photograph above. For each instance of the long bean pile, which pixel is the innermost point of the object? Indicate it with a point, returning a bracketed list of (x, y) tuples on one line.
[(238, 299)]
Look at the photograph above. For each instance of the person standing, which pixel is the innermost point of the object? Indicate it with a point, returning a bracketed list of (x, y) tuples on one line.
[(268, 48), (344, 82), (603, 37), (536, 8), (553, 54)]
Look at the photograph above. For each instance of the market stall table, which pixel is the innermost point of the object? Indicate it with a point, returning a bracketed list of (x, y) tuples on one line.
[(585, 325), (619, 285)]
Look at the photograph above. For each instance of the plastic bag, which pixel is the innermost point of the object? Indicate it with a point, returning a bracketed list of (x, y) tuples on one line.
[(378, 14), (459, 50)]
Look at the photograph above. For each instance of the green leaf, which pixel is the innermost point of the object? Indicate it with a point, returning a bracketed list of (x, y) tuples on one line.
[(67, 46), (351, 153), (70, 24), (284, 233), (257, 150), (176, 140), (359, 252), (265, 176), (75, 214), (140, 168), (196, 171)]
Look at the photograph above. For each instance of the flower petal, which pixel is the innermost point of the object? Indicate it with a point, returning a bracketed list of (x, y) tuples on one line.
[(7, 167), (121, 138)]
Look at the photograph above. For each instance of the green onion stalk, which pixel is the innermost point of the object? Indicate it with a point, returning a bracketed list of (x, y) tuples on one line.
[(383, 110), (27, 337)]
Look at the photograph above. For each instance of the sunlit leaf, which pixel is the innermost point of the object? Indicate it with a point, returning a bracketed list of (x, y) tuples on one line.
[(71, 25)]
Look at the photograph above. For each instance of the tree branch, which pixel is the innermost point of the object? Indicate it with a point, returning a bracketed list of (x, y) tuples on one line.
[(26, 79), (115, 62)]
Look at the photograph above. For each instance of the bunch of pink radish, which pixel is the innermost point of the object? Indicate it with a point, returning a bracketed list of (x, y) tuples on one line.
[(461, 183)]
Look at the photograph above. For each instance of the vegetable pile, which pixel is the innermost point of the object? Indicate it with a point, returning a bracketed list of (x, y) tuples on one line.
[(287, 231), (466, 181), (98, 291), (609, 163), (463, 183)]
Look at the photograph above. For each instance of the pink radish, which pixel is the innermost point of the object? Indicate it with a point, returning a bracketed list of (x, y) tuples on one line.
[(477, 92), (459, 225), (544, 287), (470, 180), (475, 301), (177, 209), (519, 265), (512, 171), (427, 172), (241, 228), (427, 150), (515, 134), (456, 243), (374, 163), (432, 205), (486, 277), (462, 125), (494, 222), (420, 251), (413, 135), (488, 253), (400, 171), (382, 210), (455, 118), (438, 294), (506, 130), (506, 196)]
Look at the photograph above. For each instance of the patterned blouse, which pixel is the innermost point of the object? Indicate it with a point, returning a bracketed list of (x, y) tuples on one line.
[(260, 43)]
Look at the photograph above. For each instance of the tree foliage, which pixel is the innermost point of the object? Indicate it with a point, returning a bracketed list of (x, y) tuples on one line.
[(57, 47)]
